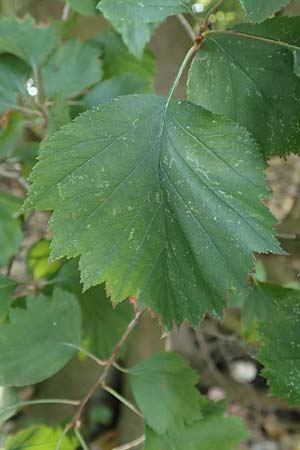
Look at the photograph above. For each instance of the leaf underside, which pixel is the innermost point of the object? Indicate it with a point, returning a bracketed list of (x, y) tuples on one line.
[(163, 205)]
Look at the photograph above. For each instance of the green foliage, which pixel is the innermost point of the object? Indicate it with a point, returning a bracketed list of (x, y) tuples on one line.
[(281, 345), (141, 216), (258, 10), (39, 438), (136, 20), (85, 7), (8, 399), (10, 228), (252, 81), (7, 288), (13, 75), (40, 340), (37, 260)]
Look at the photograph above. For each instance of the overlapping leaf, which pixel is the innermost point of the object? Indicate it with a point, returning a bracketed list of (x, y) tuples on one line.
[(248, 75), (13, 75), (7, 288), (136, 20), (81, 70), (163, 204), (39, 341), (208, 434), (259, 10), (10, 226), (164, 389), (40, 438), (281, 345), (24, 39)]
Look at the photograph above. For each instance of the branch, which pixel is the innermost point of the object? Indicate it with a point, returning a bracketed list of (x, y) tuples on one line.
[(187, 26), (131, 444)]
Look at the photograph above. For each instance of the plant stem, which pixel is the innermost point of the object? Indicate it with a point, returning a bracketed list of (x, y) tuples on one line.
[(53, 401), (66, 12), (122, 400), (93, 357), (81, 439), (187, 26), (211, 11), (131, 444)]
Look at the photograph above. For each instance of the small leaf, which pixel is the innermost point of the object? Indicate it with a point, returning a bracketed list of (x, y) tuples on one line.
[(248, 75), (24, 39), (259, 10), (8, 398), (281, 345), (39, 341), (40, 438), (164, 389), (10, 228), (37, 260), (13, 76), (161, 203), (211, 433), (117, 60), (84, 7), (7, 288), (136, 20), (81, 71), (125, 84)]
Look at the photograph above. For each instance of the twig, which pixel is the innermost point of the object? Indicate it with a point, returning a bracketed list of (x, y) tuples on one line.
[(13, 175), (50, 401), (187, 26), (131, 444), (122, 400), (81, 439), (66, 12)]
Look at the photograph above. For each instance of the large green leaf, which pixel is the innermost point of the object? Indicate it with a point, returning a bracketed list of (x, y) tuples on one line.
[(39, 341), (162, 203), (10, 228), (164, 389), (259, 10), (211, 433), (136, 20), (40, 438), (281, 345), (13, 76), (24, 39), (117, 60), (248, 75), (7, 288), (81, 70)]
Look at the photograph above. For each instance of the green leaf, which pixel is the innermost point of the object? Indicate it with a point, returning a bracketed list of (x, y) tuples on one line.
[(117, 60), (103, 325), (40, 438), (211, 433), (248, 75), (125, 84), (281, 345), (84, 7), (81, 70), (24, 39), (13, 75), (259, 304), (39, 341), (7, 288), (8, 398), (10, 227), (59, 113), (161, 203), (37, 260), (136, 20), (11, 135), (259, 10), (164, 389)]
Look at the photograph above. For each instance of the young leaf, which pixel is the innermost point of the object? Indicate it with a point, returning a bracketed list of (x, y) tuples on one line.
[(117, 60), (13, 75), (10, 228), (7, 288), (24, 39), (211, 433), (161, 201), (81, 70), (281, 345), (8, 398), (40, 438), (84, 7), (259, 10), (125, 84), (248, 75), (136, 20), (164, 389), (39, 341)]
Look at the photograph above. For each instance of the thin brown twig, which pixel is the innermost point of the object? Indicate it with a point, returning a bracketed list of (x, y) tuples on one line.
[(131, 444)]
